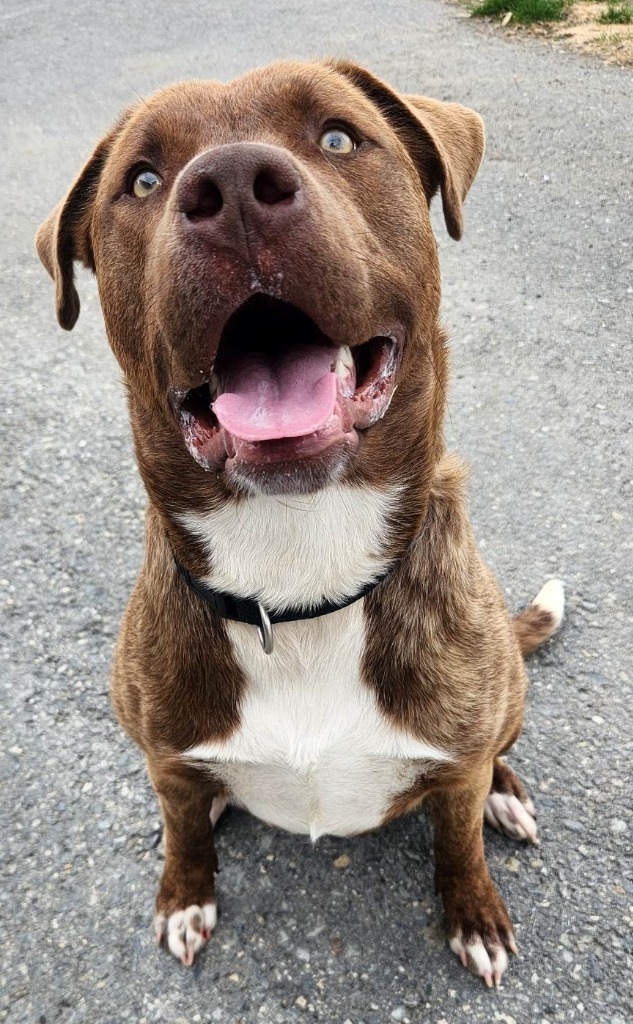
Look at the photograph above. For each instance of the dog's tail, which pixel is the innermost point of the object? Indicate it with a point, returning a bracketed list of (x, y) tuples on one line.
[(537, 623)]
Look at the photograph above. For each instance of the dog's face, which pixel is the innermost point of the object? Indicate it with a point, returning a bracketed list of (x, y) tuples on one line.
[(268, 275)]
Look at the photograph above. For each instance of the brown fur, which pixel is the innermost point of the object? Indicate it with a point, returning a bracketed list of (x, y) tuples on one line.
[(185, 797), (442, 654)]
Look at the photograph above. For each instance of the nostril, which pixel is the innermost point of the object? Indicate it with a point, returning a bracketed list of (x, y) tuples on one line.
[(270, 191), (207, 202)]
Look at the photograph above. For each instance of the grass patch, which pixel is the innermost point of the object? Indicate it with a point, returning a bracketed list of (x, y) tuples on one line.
[(617, 14), (523, 11)]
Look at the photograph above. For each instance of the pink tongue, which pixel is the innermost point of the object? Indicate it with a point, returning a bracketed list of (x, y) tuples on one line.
[(291, 396)]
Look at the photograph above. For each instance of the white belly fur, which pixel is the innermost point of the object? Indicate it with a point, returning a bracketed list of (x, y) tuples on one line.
[(313, 753)]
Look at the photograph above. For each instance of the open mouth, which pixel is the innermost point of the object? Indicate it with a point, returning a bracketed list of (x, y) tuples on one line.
[(280, 390)]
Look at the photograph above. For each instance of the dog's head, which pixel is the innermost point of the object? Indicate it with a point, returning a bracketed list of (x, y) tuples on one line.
[(269, 278)]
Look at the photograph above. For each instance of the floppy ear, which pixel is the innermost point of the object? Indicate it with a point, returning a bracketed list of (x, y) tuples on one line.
[(444, 140), (65, 235)]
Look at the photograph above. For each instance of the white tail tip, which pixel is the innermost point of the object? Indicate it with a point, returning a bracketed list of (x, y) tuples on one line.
[(551, 598)]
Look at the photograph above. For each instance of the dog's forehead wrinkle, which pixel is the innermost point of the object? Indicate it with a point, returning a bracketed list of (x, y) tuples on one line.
[(241, 109)]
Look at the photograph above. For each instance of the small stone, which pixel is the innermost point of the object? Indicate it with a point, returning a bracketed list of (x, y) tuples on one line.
[(512, 864), (342, 861), (301, 1002), (302, 954), (573, 825), (618, 825), (399, 1013), (234, 977)]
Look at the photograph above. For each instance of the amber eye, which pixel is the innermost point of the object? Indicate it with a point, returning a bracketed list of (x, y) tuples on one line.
[(145, 183), (335, 140)]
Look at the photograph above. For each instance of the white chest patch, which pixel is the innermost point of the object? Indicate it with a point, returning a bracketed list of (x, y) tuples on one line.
[(313, 753), (297, 550)]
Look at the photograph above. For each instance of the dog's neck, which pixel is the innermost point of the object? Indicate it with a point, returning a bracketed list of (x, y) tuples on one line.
[(298, 550)]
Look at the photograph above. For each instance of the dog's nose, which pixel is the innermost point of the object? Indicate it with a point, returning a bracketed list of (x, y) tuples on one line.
[(238, 187)]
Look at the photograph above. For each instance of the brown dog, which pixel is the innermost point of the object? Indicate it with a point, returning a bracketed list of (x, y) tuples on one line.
[(313, 635)]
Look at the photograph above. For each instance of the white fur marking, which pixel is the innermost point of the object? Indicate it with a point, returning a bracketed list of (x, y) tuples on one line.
[(297, 550), (313, 752), (508, 814), (551, 598)]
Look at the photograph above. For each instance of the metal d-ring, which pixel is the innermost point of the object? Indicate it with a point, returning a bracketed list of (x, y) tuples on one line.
[(265, 631)]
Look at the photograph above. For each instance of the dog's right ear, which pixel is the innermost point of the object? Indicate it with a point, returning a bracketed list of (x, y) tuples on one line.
[(65, 235), (444, 140)]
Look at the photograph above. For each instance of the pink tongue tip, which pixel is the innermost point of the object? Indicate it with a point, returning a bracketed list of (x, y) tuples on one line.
[(292, 397)]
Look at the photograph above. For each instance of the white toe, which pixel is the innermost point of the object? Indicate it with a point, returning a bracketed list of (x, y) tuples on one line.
[(499, 962), (508, 814), (187, 930), (476, 951)]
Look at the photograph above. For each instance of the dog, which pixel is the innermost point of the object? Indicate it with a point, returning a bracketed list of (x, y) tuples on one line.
[(313, 635)]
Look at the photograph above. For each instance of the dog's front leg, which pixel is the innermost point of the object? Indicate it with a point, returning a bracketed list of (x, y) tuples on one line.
[(185, 906), (479, 928)]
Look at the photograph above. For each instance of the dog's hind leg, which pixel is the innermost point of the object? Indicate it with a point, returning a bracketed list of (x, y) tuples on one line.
[(508, 808)]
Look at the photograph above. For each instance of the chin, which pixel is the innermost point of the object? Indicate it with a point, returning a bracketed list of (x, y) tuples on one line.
[(294, 473)]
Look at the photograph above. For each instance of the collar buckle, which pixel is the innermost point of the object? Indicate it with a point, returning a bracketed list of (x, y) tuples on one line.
[(265, 631)]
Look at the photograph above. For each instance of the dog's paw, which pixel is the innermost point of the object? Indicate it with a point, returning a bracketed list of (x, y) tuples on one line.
[(185, 932), (479, 928), (486, 957), (512, 816)]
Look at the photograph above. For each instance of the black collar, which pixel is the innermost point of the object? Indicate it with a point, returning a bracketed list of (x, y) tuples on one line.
[(245, 609)]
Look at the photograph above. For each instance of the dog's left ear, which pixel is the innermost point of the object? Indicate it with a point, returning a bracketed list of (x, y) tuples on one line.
[(65, 234), (444, 140)]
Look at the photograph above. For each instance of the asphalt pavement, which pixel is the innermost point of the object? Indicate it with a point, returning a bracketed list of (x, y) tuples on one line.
[(538, 298)]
